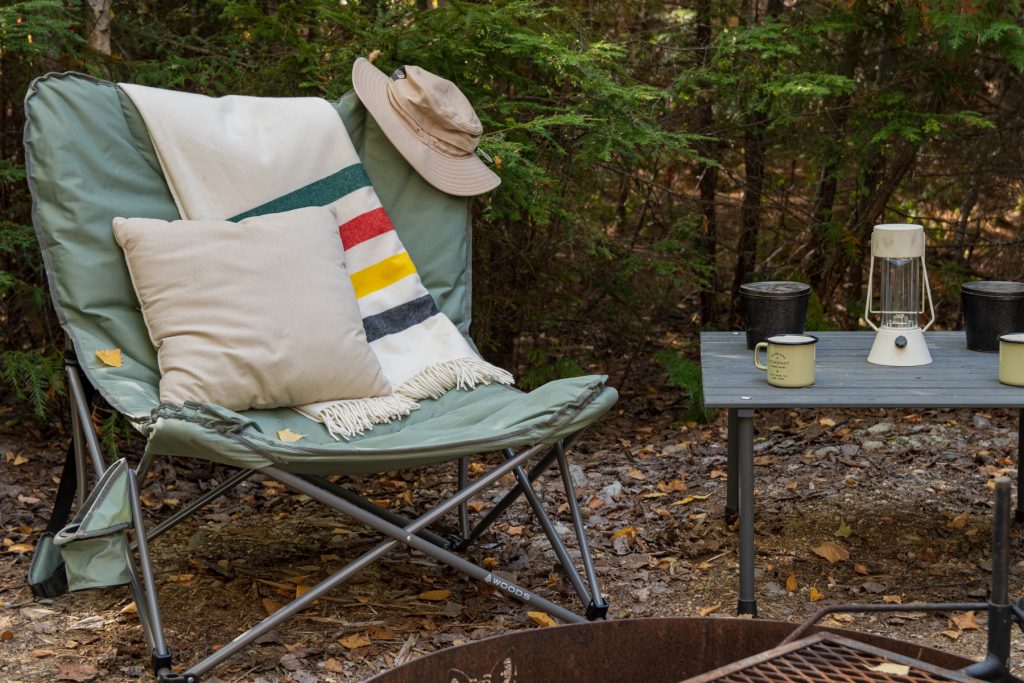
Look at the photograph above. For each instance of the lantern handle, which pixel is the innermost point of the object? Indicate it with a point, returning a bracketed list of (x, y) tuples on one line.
[(927, 291), (867, 304)]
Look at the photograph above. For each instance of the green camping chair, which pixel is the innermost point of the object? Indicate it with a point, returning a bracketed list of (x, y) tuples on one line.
[(89, 158)]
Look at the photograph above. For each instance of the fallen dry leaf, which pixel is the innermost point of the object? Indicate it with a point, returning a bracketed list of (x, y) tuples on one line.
[(892, 599), (791, 584), (288, 436), (629, 532), (334, 666), (435, 595), (711, 609), (672, 486), (354, 640), (690, 499), (541, 619), (110, 357), (719, 474), (952, 635), (861, 569), (960, 521), (634, 473), (826, 422), (833, 552), (15, 459), (270, 605), (130, 608), (6, 635), (75, 670), (965, 621), (891, 668), (476, 505), (380, 633), (816, 594), (19, 548)]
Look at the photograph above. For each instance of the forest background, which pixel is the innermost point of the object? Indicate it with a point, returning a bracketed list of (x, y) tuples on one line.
[(654, 155)]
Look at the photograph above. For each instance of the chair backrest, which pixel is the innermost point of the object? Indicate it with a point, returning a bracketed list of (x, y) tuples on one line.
[(89, 159)]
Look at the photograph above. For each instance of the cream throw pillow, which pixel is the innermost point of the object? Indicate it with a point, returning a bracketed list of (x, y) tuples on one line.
[(254, 314)]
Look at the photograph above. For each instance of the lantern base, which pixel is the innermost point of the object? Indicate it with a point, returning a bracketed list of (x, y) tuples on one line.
[(899, 348)]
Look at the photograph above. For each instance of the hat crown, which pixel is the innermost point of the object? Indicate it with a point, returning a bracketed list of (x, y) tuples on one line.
[(437, 107)]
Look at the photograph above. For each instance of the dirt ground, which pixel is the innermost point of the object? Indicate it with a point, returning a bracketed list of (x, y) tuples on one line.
[(907, 496)]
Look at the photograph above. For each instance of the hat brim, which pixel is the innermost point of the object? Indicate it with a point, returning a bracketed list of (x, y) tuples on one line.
[(463, 177)]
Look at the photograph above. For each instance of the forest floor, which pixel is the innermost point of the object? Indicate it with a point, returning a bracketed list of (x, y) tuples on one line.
[(908, 496)]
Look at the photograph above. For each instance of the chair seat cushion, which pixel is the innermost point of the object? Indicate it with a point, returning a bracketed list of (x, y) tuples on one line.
[(254, 314)]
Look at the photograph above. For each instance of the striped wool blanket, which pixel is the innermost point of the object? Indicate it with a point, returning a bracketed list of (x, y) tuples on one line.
[(235, 157)]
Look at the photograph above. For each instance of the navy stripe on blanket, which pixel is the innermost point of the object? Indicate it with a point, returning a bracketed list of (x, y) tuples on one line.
[(317, 193), (399, 318)]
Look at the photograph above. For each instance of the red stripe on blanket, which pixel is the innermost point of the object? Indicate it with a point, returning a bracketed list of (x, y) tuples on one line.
[(365, 226)]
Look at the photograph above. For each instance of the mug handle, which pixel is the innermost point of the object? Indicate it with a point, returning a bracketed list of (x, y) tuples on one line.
[(757, 355)]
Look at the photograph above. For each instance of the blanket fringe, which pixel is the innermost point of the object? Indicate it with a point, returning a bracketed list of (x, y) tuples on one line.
[(345, 419), (461, 373)]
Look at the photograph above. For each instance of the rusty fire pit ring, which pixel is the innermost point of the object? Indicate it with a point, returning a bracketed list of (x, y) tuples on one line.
[(656, 650)]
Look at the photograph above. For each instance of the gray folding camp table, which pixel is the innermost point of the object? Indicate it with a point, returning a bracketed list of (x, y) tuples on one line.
[(956, 378)]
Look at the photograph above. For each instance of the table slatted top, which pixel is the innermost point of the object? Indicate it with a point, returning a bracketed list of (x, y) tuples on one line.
[(956, 377)]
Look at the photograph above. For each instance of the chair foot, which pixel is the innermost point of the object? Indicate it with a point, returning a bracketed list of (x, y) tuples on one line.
[(597, 610), (747, 607), (174, 677), (1018, 515), (732, 515)]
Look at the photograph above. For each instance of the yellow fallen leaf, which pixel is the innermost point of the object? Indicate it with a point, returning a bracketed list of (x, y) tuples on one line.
[(861, 569), (634, 473), (110, 357), (791, 584), (288, 436), (324, 559), (690, 499), (489, 563), (833, 552), (891, 668), (960, 521), (704, 611), (541, 619), (816, 594), (130, 608), (892, 599), (435, 595), (19, 548), (654, 494), (354, 640), (15, 459), (629, 532), (965, 621), (671, 486), (952, 635), (476, 505), (334, 666), (826, 422)]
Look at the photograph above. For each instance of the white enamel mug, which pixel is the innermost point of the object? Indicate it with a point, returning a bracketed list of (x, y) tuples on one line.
[(1011, 359), (790, 359)]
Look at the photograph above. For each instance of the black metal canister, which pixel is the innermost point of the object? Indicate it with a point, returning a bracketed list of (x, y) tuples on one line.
[(992, 308), (773, 307)]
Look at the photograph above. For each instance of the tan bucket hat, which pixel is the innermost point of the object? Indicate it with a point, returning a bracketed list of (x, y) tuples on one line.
[(431, 123)]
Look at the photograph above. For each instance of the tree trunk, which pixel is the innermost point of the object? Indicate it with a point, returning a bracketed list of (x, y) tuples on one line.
[(753, 188), (97, 25), (707, 174)]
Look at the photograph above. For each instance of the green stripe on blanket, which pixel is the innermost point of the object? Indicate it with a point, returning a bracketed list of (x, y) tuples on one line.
[(318, 193)]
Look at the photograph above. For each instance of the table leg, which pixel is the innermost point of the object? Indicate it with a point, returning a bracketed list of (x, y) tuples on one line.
[(732, 495), (1018, 515), (745, 451)]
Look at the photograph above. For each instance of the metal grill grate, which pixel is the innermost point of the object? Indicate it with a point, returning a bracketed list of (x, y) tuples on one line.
[(825, 658)]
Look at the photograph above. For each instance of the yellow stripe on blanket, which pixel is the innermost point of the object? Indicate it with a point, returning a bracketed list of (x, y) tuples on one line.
[(381, 274)]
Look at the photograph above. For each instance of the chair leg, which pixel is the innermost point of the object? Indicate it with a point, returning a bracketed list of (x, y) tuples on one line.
[(464, 528)]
